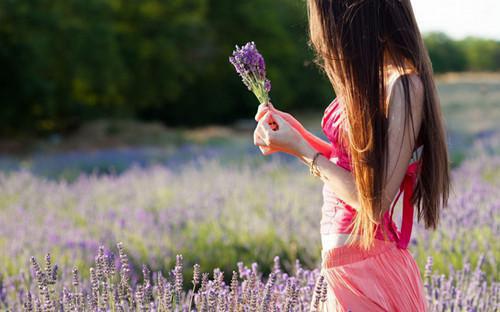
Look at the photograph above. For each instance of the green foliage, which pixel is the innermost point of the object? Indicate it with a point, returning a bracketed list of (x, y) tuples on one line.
[(469, 54), (481, 54), (446, 54), (66, 62)]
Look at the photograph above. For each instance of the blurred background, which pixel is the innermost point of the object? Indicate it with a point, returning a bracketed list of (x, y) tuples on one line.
[(108, 74), (123, 120)]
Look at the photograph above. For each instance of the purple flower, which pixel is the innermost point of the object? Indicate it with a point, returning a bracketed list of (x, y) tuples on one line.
[(250, 65), (267, 85)]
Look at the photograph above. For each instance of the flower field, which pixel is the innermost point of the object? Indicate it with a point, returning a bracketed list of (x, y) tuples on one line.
[(257, 218), (140, 228)]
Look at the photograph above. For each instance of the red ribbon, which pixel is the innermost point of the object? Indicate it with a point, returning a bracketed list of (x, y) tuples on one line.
[(407, 186)]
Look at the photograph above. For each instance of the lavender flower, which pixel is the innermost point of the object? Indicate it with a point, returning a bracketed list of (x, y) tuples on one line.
[(318, 292), (196, 274), (324, 291), (463, 290), (72, 219), (266, 301), (250, 65), (178, 278)]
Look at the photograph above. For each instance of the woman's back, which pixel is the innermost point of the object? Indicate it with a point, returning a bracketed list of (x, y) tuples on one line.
[(337, 216)]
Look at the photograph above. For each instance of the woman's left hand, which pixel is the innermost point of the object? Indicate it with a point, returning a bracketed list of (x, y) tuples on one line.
[(284, 138)]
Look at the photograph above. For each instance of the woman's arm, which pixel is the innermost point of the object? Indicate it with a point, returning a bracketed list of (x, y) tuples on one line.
[(317, 143), (339, 179), (401, 142)]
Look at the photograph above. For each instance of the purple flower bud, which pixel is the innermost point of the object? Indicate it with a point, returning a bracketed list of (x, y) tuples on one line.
[(250, 65), (267, 85)]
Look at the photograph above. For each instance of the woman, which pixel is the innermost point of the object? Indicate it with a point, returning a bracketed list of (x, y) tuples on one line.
[(386, 137)]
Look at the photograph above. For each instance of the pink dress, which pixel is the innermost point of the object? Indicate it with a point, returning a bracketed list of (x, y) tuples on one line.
[(384, 278)]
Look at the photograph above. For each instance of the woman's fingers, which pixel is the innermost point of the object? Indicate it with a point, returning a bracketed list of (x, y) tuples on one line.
[(267, 121), (259, 142), (260, 134), (265, 150), (280, 121), (262, 109), (264, 130), (258, 137)]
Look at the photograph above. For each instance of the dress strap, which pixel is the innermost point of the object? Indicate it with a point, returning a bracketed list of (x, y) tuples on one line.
[(407, 186)]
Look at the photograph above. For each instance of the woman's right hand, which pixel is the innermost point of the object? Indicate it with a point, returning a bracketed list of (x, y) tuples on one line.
[(261, 111)]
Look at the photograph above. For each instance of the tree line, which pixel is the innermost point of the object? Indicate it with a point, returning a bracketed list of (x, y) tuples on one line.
[(67, 61)]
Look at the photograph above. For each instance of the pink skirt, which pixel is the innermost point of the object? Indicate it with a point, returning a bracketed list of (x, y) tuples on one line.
[(384, 278)]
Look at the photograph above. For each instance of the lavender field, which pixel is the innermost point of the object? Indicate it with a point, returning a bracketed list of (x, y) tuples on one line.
[(242, 231), (217, 215)]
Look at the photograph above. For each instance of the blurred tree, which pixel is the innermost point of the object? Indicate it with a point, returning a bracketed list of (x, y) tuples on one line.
[(68, 61), (215, 93), (60, 67), (482, 54), (168, 47), (446, 54)]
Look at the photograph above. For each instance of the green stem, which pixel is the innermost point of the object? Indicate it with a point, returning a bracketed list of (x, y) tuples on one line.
[(191, 299)]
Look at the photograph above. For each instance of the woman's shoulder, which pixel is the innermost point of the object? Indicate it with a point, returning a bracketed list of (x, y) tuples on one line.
[(399, 109), (396, 91)]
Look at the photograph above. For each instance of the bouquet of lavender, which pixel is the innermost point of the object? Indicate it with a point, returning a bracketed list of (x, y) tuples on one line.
[(250, 65)]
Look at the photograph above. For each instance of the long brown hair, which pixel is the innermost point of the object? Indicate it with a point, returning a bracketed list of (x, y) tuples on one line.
[(352, 40)]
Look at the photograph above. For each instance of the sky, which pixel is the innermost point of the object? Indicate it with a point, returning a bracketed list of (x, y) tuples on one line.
[(459, 18)]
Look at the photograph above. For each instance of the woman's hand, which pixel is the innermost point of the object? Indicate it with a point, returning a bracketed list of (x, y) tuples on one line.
[(283, 137), (263, 108)]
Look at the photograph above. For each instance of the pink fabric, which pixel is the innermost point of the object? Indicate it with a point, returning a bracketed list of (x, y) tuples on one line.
[(383, 278), (407, 186), (338, 216), (331, 123)]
